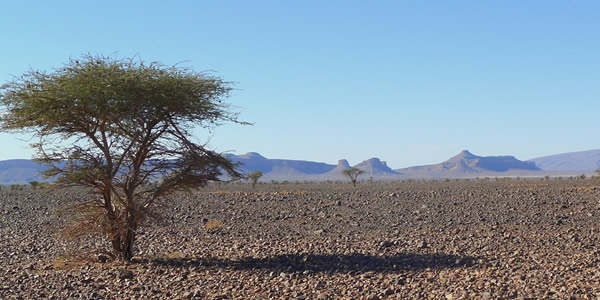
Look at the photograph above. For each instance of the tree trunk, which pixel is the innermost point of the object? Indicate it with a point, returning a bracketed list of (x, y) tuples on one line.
[(127, 250), (128, 245), (116, 245), (113, 223)]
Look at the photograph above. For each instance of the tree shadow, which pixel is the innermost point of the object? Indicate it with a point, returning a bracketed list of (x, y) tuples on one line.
[(336, 263)]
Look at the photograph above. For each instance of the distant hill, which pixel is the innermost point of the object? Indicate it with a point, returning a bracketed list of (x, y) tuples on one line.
[(375, 167), (573, 161), (280, 169), (20, 171), (466, 164), (336, 173)]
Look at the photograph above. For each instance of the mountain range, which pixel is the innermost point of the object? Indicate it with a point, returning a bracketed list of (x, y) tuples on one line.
[(463, 165)]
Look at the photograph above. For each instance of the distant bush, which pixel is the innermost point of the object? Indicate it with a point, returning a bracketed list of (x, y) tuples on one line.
[(16, 187), (582, 176), (254, 177), (34, 184)]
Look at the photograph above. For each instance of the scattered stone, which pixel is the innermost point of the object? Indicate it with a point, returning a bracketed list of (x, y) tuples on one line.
[(125, 274), (322, 296), (387, 244), (375, 246), (102, 258), (372, 297)]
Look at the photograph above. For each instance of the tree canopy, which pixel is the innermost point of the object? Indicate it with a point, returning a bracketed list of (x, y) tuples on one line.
[(254, 177), (117, 125), (353, 174)]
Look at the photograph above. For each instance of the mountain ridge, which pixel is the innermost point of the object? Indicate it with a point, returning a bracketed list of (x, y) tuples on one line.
[(463, 165), (588, 160)]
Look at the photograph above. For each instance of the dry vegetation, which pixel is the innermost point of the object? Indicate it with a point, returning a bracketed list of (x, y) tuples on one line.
[(449, 240)]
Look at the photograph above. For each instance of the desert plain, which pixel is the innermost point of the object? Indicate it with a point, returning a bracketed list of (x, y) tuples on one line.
[(494, 239)]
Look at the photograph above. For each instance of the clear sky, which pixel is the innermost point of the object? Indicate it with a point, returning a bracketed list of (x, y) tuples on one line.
[(409, 82)]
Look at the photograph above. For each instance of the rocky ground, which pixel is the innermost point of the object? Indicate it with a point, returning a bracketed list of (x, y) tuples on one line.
[(405, 240)]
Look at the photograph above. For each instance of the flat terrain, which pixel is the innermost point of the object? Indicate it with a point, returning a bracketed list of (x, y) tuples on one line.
[(405, 240)]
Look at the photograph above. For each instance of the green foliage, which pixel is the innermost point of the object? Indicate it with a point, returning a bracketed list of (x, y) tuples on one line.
[(34, 184), (116, 125), (353, 174)]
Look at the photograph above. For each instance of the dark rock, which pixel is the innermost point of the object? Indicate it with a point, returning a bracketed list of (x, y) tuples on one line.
[(125, 274), (102, 258), (387, 244)]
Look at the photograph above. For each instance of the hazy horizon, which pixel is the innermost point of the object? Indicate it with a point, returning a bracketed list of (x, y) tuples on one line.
[(410, 83)]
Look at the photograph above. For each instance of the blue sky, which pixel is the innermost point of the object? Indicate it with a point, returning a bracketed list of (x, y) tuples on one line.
[(410, 82)]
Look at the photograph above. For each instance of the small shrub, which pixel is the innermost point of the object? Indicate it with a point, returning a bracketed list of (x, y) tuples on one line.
[(34, 184), (213, 224)]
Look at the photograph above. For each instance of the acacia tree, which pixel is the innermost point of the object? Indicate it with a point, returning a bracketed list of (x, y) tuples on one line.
[(253, 177), (353, 174), (115, 126)]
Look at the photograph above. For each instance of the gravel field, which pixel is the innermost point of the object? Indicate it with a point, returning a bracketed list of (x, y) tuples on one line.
[(407, 240)]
